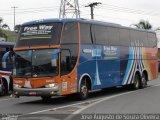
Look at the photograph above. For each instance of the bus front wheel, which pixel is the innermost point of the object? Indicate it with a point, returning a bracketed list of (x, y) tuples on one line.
[(83, 94)]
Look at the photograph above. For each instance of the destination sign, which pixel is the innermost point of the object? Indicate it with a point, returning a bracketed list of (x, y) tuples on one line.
[(39, 34), (37, 30)]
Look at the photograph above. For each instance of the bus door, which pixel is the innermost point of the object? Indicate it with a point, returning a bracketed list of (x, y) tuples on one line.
[(68, 74), (65, 69), (69, 56)]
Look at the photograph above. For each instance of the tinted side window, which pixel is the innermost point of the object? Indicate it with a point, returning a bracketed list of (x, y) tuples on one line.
[(124, 37), (143, 39), (134, 38), (69, 47), (70, 33), (10, 62), (65, 62), (113, 36), (139, 38), (86, 32), (101, 34), (152, 40)]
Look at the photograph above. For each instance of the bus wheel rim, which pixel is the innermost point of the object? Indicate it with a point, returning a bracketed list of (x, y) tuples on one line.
[(137, 82), (84, 90)]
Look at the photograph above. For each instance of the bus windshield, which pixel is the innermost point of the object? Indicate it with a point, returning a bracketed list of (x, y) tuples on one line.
[(34, 63), (39, 34)]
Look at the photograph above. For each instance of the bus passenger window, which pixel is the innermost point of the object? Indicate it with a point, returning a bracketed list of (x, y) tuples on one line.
[(101, 35), (124, 37), (113, 36), (65, 62), (152, 40), (86, 33)]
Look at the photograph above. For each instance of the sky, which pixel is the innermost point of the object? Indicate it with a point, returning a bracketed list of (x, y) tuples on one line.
[(124, 12)]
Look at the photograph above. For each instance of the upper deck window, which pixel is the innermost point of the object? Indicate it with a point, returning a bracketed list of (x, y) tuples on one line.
[(39, 34)]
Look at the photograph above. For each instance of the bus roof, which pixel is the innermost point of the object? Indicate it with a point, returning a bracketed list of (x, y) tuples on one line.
[(43, 21), (67, 20)]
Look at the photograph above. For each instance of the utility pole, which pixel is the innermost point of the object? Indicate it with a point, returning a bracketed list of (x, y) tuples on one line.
[(69, 8), (14, 12), (92, 5)]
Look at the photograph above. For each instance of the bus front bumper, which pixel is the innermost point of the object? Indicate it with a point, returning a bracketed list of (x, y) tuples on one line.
[(37, 91)]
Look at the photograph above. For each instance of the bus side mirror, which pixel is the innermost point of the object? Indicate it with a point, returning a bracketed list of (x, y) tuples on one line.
[(54, 62)]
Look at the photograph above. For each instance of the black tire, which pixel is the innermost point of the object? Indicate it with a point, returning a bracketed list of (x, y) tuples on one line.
[(136, 84), (46, 98), (143, 82), (11, 85), (83, 94), (4, 88)]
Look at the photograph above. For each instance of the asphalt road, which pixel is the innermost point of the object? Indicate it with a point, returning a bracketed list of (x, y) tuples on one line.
[(114, 101)]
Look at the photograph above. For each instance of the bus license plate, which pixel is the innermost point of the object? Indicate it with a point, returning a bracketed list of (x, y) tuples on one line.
[(32, 93)]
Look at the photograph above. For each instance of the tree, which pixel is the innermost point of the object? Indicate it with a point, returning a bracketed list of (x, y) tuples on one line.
[(2, 34), (143, 25), (1, 20), (2, 27), (17, 28), (5, 26)]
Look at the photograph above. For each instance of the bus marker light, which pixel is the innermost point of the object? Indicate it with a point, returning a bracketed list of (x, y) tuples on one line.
[(51, 85), (16, 86), (52, 92)]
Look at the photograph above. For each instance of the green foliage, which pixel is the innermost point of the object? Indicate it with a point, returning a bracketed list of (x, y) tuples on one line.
[(143, 25), (17, 28), (11, 35), (6, 33)]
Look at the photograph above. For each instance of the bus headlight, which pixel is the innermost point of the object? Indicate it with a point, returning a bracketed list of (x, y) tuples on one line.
[(51, 85), (16, 86)]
